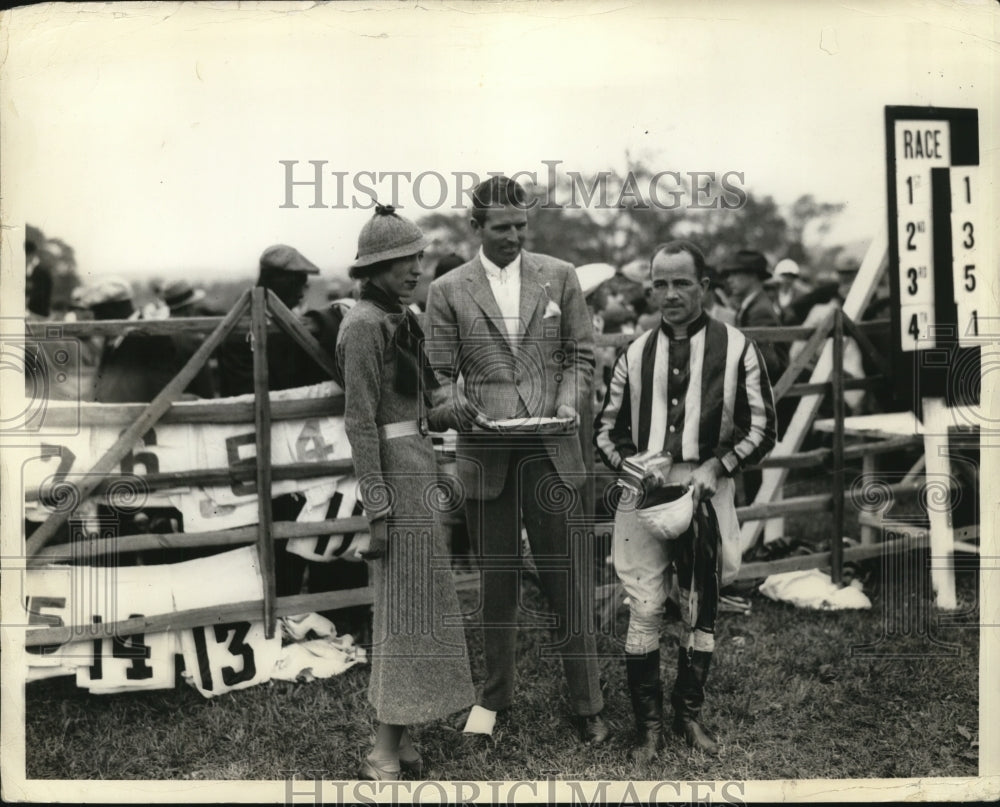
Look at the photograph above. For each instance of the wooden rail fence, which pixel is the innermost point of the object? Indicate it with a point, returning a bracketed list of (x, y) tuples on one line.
[(262, 411)]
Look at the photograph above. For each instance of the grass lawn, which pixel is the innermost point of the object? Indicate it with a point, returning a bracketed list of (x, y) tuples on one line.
[(786, 697)]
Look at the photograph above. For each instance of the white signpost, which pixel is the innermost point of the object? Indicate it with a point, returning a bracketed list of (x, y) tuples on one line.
[(938, 282)]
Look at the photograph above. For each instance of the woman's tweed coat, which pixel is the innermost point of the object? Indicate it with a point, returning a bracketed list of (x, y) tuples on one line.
[(420, 667)]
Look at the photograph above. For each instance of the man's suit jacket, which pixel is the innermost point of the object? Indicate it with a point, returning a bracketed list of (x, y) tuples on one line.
[(761, 313), (552, 363)]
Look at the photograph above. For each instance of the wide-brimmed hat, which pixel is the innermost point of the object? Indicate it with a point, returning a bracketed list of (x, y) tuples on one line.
[(180, 293), (637, 270), (283, 258), (592, 275), (108, 298), (747, 261), (106, 290), (786, 266), (386, 236)]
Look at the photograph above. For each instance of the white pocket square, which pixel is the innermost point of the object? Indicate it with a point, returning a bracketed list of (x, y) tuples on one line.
[(551, 310)]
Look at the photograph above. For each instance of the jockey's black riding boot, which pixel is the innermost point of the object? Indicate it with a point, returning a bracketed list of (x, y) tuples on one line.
[(688, 696), (646, 690)]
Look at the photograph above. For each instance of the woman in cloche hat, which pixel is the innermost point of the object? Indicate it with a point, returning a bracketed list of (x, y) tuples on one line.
[(419, 666)]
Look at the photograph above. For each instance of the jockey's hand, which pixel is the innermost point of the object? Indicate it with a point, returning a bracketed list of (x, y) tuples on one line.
[(705, 479), (653, 480)]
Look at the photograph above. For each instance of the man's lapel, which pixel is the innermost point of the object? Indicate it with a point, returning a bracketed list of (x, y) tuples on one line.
[(480, 291), (531, 291)]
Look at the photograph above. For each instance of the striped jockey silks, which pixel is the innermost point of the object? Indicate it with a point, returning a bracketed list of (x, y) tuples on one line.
[(697, 396)]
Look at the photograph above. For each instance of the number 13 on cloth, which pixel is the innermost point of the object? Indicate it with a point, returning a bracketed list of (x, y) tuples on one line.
[(221, 658), (228, 656)]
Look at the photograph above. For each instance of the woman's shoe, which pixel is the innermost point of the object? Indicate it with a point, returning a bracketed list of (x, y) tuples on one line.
[(380, 770), (409, 757)]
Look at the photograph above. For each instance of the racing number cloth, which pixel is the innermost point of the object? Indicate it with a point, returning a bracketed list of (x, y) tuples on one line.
[(218, 658), (172, 447)]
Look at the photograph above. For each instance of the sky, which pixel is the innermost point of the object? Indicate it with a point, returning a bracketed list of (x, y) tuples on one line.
[(149, 136)]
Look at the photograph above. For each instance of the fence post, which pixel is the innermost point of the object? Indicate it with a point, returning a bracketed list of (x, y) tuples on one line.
[(837, 538), (262, 422)]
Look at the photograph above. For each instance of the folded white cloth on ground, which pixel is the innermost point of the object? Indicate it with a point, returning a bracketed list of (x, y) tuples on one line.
[(296, 628), (814, 589), (317, 658)]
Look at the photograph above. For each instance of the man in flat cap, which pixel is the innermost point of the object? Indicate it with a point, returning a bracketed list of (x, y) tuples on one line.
[(285, 271)]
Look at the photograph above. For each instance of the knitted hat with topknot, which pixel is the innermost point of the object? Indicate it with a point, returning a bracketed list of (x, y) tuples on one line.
[(386, 236)]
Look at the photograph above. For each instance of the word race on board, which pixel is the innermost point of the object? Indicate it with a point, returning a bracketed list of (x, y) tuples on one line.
[(936, 276)]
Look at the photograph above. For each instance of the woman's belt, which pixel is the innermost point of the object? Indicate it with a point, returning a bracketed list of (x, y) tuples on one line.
[(404, 428)]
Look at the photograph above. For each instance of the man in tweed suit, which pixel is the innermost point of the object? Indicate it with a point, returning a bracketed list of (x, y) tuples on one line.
[(509, 335)]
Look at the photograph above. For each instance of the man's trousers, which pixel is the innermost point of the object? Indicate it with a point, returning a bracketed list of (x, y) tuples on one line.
[(532, 491)]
